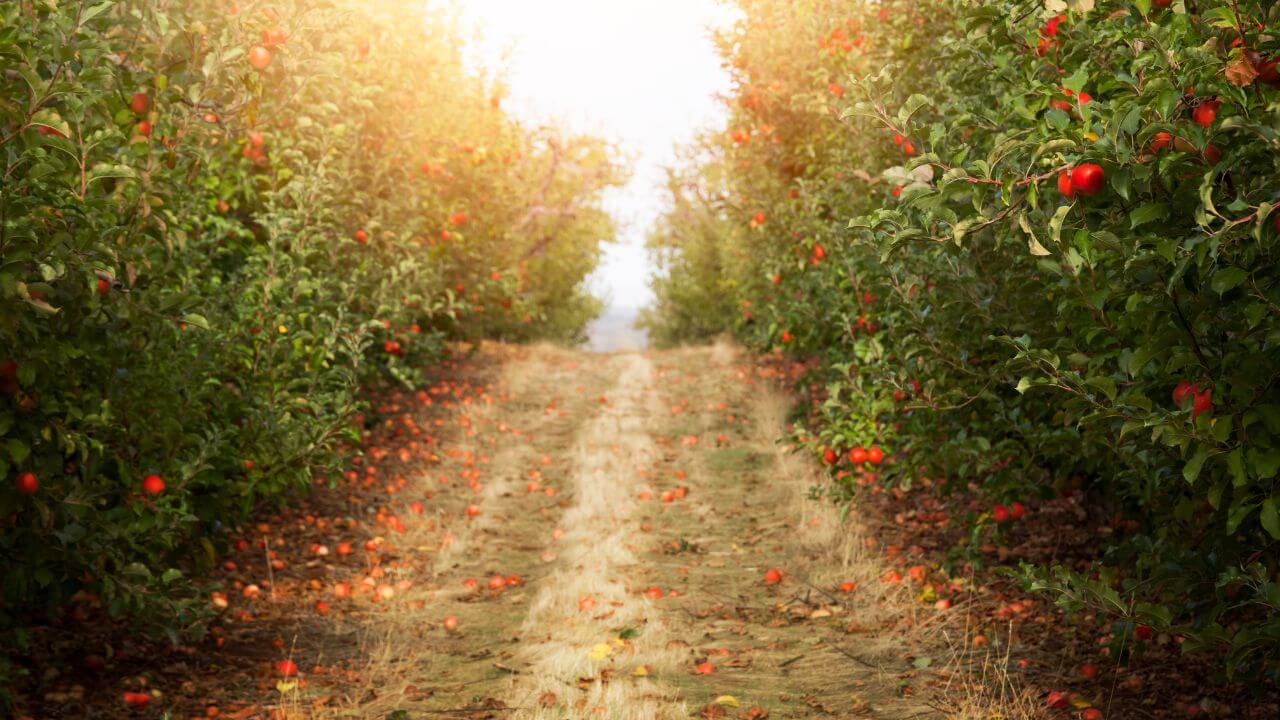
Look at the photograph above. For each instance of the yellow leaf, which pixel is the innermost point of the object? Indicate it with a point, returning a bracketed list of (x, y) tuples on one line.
[(286, 687), (641, 671), (600, 651), (729, 700), (1081, 703)]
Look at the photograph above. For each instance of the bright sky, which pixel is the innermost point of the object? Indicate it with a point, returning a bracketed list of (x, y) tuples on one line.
[(642, 73)]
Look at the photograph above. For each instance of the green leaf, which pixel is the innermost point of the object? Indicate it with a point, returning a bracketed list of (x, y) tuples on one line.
[(1033, 243), (1191, 470), (1264, 463), (1057, 119), (1104, 384), (1055, 224), (1147, 213), (1224, 280), (18, 450), (1238, 514), (1235, 466), (1053, 146), (960, 229), (910, 108), (1206, 193), (137, 570), (1270, 517), (1076, 82), (1220, 17), (95, 10), (107, 170), (1139, 359)]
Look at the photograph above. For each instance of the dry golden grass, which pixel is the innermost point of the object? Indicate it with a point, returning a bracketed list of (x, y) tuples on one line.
[(563, 635), (973, 685), (535, 653)]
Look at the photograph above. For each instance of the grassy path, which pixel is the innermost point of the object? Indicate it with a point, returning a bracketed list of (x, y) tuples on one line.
[(629, 510)]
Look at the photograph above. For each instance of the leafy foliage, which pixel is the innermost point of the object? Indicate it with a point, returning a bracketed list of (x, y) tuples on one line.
[(1035, 247), (216, 223)]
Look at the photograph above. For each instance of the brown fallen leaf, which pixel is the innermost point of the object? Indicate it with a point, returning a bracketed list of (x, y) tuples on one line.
[(1240, 69)]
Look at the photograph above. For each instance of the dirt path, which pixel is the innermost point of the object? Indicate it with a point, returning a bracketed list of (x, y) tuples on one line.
[(612, 561)]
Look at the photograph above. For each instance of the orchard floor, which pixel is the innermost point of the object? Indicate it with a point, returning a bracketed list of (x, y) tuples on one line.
[(546, 533)]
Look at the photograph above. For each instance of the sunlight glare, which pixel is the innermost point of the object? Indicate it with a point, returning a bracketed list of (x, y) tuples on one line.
[(641, 73)]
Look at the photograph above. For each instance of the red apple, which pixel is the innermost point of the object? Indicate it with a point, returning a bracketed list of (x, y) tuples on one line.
[(1267, 70), (1087, 179), (152, 485), (274, 36), (1182, 392), (1064, 184), (27, 483), (1202, 403), (1206, 112), (259, 57)]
